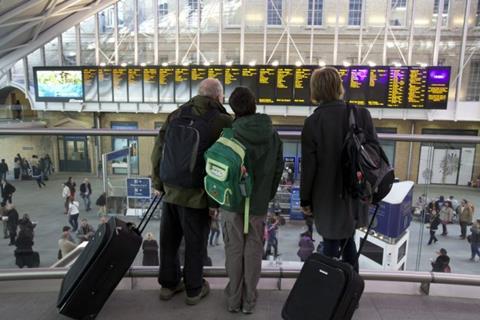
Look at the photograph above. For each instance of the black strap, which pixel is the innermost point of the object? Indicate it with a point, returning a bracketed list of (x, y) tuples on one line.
[(149, 213), (364, 239)]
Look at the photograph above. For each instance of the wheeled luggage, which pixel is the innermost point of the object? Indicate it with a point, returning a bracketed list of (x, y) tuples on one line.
[(100, 267), (326, 289)]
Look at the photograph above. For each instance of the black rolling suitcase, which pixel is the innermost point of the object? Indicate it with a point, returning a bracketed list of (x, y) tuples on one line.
[(326, 289), (100, 267)]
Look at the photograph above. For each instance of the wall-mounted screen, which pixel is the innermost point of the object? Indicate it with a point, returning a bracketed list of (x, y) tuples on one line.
[(105, 90), (58, 84), (90, 84), (150, 85), (301, 87), (284, 85), (120, 86), (266, 84), (232, 80), (135, 84), (182, 84), (166, 77)]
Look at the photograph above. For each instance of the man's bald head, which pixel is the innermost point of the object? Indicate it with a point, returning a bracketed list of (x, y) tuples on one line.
[(211, 88)]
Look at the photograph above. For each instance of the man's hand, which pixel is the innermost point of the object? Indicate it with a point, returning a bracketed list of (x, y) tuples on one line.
[(307, 210), (157, 193), (213, 212)]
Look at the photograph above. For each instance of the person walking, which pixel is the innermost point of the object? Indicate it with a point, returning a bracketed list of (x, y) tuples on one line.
[(214, 230), (17, 165), (4, 217), (7, 190), (66, 197), (465, 216), (474, 239), (37, 171), (66, 244), (12, 223), (73, 213), (186, 208), (150, 251), (434, 223), (306, 246), (272, 240), (322, 195), (442, 263), (3, 169), (85, 193), (446, 215)]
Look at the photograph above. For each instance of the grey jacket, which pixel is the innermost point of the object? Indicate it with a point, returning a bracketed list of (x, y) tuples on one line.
[(336, 216)]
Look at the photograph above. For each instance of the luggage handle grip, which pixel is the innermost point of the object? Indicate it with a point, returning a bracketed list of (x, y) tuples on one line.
[(149, 213)]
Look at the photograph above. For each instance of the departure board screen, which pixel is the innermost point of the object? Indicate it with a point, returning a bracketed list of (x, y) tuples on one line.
[(182, 84), (345, 75), (266, 84), (377, 87), (166, 82), (250, 79), (150, 85), (135, 85), (285, 79), (217, 72), (197, 74), (232, 80), (301, 93), (438, 80), (90, 84), (417, 87), (358, 86), (105, 90), (397, 87), (120, 88)]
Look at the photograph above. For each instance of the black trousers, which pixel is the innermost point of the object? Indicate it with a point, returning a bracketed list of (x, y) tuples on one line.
[(432, 237), (463, 229), (332, 248), (194, 226)]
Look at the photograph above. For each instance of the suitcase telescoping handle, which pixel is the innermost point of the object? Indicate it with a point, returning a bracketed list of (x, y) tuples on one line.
[(364, 239), (149, 213)]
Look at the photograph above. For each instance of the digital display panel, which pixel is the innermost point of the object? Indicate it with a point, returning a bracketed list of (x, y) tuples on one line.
[(397, 87), (105, 90), (358, 86), (120, 89), (417, 81), (150, 85), (197, 75), (378, 87), (249, 79), (135, 85), (345, 75), (438, 79), (373, 252), (232, 80), (182, 84), (285, 79), (58, 85), (217, 72), (166, 81), (90, 84), (301, 93), (266, 85)]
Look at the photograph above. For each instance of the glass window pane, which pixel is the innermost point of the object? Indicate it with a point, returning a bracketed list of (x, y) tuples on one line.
[(315, 10), (69, 47), (126, 31), (106, 27), (51, 53), (355, 12), (18, 74), (398, 13), (34, 60), (274, 12), (146, 27), (87, 37)]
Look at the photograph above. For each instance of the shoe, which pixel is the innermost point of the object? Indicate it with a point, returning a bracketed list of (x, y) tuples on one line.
[(247, 311), (12, 244), (233, 310), (167, 293), (191, 301)]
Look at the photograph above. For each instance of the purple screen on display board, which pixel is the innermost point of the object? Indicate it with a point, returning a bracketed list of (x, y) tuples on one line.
[(438, 80), (358, 85), (377, 92), (397, 87)]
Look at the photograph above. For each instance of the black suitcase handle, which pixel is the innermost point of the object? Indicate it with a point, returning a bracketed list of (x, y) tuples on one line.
[(149, 213), (364, 239)]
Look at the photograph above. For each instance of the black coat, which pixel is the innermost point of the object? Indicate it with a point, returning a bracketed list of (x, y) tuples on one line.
[(440, 263), (150, 253), (7, 190), (336, 216), (24, 242), (84, 187), (12, 222)]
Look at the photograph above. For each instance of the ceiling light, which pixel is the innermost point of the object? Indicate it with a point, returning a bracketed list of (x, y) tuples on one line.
[(346, 63), (123, 64), (298, 63), (322, 63), (275, 63), (252, 63), (371, 64)]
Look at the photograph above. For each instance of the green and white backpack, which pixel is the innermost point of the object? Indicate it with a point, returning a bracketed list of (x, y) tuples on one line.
[(227, 181)]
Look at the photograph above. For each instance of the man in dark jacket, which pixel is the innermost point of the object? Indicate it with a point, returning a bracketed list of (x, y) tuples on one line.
[(3, 170), (442, 263), (186, 210), (12, 223), (7, 191), (85, 193), (322, 194)]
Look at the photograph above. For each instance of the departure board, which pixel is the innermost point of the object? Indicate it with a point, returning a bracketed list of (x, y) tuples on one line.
[(90, 84), (377, 94), (197, 75), (397, 87), (345, 75), (135, 85), (417, 87), (301, 93), (166, 81), (250, 78), (232, 80), (266, 84), (217, 72), (150, 85), (285, 79), (438, 80), (182, 84), (105, 90), (358, 86), (120, 88)]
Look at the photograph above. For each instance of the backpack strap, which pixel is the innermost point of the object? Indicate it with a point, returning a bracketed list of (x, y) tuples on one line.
[(246, 215)]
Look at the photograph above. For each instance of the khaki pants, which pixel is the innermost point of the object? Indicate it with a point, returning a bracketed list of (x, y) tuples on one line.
[(243, 259)]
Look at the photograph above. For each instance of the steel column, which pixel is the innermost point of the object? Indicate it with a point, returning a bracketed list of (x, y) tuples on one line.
[(220, 32), (199, 25), (25, 73), (410, 33), (436, 45), (462, 57), (335, 41), (242, 33), (78, 45), (311, 33), (385, 36), (135, 32), (60, 50), (97, 39), (265, 32), (155, 32), (115, 32), (177, 35), (360, 36)]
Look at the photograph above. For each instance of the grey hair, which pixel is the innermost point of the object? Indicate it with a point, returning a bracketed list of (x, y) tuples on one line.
[(210, 88)]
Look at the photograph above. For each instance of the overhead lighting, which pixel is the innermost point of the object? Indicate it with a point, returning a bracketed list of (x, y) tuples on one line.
[(252, 63), (346, 63), (396, 64), (275, 63), (206, 63), (422, 64), (298, 63), (371, 64), (229, 63), (164, 64), (186, 63), (103, 64), (143, 64), (322, 63), (123, 64)]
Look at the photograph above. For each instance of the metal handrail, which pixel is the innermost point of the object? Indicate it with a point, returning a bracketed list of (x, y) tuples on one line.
[(283, 133), (276, 273)]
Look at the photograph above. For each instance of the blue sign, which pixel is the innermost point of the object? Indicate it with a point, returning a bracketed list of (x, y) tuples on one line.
[(139, 188), (295, 211), (117, 154)]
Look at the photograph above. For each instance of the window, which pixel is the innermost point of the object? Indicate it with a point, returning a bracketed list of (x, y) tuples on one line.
[(274, 12), (355, 13), (399, 4), (477, 15), (446, 5), (398, 13), (194, 9), (473, 90), (162, 10), (315, 12)]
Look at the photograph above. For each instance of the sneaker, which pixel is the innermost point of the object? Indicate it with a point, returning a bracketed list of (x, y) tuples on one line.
[(191, 301), (168, 293), (247, 311)]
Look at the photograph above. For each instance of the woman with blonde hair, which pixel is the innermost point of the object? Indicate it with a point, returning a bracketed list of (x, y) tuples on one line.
[(150, 251)]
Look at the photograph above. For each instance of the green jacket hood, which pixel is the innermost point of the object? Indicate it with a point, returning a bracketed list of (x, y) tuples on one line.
[(204, 103), (254, 129)]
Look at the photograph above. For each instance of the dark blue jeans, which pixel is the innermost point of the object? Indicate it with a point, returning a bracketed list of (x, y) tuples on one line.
[(332, 248)]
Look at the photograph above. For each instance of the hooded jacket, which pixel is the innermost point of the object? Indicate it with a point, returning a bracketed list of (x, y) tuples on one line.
[(264, 158)]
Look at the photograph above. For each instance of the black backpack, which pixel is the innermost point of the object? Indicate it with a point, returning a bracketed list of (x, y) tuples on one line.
[(367, 174), (188, 136)]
